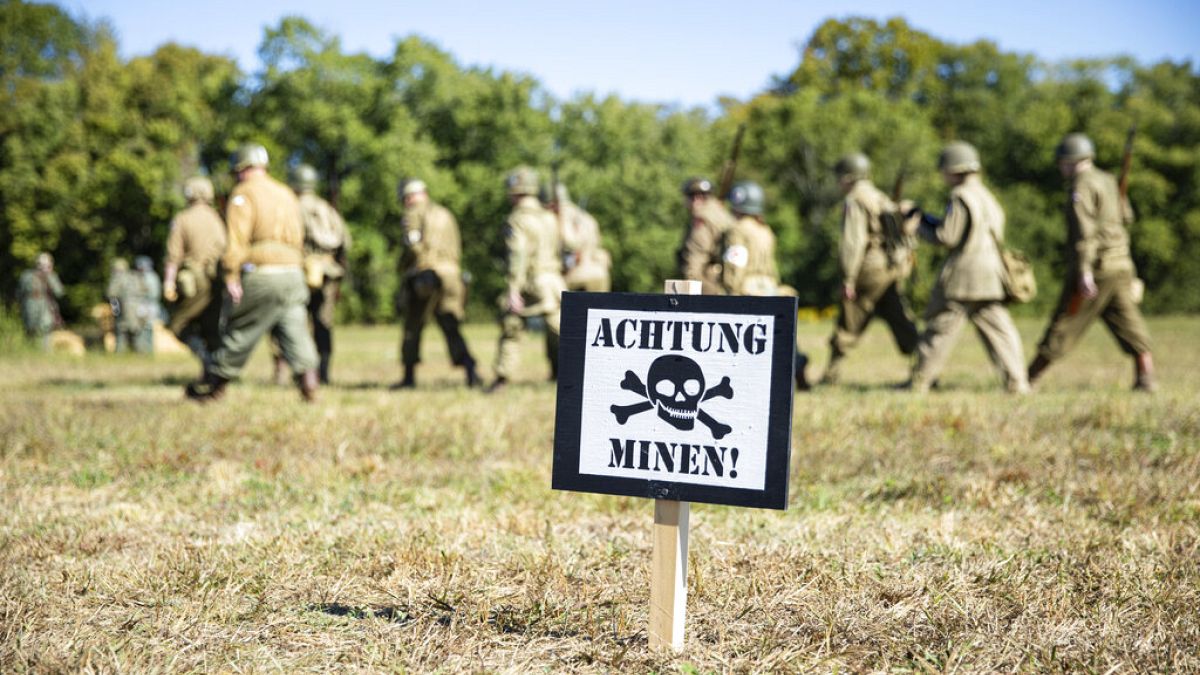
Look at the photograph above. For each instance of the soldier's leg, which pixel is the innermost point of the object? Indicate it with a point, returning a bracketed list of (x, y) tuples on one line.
[(1070, 321), (892, 308), (1125, 322), (943, 323), (508, 351), (1002, 342), (291, 326), (249, 320), (145, 340), (122, 340), (553, 330)]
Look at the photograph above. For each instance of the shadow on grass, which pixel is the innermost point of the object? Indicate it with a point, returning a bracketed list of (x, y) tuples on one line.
[(394, 613)]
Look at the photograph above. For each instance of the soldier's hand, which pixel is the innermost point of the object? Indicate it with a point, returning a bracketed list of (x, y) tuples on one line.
[(169, 293), (1087, 285), (234, 288), (848, 292), (516, 303)]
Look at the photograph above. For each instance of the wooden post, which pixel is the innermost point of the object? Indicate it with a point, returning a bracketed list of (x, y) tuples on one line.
[(668, 567)]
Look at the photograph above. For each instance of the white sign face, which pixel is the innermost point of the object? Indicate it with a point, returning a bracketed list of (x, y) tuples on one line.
[(676, 397), (671, 395)]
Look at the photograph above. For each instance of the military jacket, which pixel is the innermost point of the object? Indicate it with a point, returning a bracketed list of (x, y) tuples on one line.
[(748, 261), (974, 270), (324, 230), (862, 252), (431, 234), (583, 256), (700, 255), (197, 239), (1097, 240), (39, 293), (533, 243), (136, 295), (264, 226)]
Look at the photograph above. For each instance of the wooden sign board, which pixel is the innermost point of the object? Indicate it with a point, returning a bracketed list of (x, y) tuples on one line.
[(677, 397)]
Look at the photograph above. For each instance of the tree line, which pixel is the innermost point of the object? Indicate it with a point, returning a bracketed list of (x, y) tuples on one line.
[(94, 148)]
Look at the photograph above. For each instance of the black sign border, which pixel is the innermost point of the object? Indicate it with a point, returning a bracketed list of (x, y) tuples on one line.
[(569, 406)]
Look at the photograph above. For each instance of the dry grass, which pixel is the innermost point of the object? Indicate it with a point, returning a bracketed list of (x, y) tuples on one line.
[(963, 531)]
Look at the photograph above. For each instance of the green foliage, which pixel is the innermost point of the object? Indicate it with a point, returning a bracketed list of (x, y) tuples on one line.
[(93, 149)]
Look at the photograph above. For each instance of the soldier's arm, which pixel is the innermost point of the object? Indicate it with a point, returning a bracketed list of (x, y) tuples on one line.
[(1085, 207), (696, 251), (734, 260), (340, 224), (853, 247), (56, 286), (950, 229), (239, 218), (518, 256)]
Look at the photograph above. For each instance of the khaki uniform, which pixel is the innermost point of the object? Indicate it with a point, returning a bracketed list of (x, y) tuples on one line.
[(535, 271), (135, 294), (433, 283), (326, 243), (1097, 242), (265, 252), (970, 287), (586, 264), (874, 274), (39, 292), (194, 247), (700, 254)]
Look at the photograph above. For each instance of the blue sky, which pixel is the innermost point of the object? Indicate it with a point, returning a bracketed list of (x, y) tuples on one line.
[(672, 52)]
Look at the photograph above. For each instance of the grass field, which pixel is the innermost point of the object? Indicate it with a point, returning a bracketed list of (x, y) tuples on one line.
[(962, 531)]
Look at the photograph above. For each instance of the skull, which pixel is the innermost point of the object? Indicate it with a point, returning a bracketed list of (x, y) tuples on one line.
[(675, 385)]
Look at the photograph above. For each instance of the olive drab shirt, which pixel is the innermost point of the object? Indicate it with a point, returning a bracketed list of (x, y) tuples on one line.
[(533, 242), (1097, 240), (748, 261), (264, 226), (863, 249), (197, 239), (324, 230), (584, 258), (432, 237), (974, 270), (700, 256)]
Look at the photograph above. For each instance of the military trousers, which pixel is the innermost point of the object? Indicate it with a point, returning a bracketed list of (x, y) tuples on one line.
[(508, 353), (139, 339), (1113, 304), (321, 305), (944, 319), (875, 297), (418, 309), (273, 301), (196, 320)]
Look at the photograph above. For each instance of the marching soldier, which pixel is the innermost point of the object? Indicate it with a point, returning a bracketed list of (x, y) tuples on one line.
[(748, 258), (433, 284), (264, 278), (134, 296), (533, 273), (874, 263), (699, 255), (190, 286), (586, 264), (970, 285), (39, 290), (1100, 275)]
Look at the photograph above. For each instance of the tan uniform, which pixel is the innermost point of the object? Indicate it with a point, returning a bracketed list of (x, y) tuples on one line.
[(326, 245), (872, 272), (586, 264), (970, 287), (700, 253), (194, 247), (433, 283), (265, 252), (535, 271)]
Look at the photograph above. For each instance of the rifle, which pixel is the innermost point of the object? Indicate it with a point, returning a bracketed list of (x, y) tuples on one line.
[(730, 167), (1127, 161)]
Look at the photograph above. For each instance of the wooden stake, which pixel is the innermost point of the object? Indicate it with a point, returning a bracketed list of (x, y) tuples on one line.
[(668, 567)]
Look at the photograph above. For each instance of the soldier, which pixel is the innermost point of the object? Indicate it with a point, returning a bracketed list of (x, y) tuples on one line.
[(970, 284), (1100, 274), (586, 264), (264, 278), (433, 283), (134, 296), (190, 284), (748, 256), (699, 255), (115, 292), (326, 245), (533, 273), (873, 266), (39, 290)]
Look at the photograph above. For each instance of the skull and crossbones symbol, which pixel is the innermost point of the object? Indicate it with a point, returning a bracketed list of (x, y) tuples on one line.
[(675, 386)]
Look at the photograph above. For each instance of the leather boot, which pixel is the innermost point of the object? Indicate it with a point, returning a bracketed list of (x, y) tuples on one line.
[(281, 371), (498, 385), (802, 379), (208, 388), (833, 371), (473, 380), (308, 383), (1037, 367), (324, 368), (410, 378), (1144, 379)]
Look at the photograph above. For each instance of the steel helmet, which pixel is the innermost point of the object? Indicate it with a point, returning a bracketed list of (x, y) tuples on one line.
[(746, 197), (959, 157)]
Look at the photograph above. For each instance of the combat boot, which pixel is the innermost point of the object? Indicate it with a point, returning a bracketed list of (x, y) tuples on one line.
[(1036, 368), (281, 371), (308, 383), (409, 381), (208, 388), (473, 380), (497, 385), (324, 368), (833, 371), (802, 379), (1144, 379)]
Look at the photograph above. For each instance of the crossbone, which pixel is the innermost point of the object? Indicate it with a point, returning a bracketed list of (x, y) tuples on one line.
[(634, 384)]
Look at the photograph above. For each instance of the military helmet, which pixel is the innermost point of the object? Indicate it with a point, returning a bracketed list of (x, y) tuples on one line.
[(411, 186), (120, 265), (304, 178), (143, 263), (697, 186), (854, 165), (198, 189), (522, 181), (959, 157), (1074, 147), (44, 260), (746, 197), (250, 154)]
